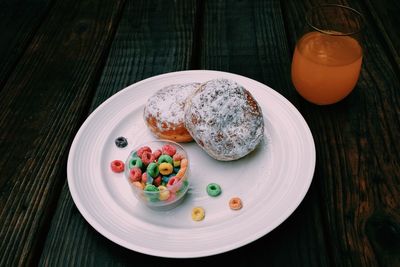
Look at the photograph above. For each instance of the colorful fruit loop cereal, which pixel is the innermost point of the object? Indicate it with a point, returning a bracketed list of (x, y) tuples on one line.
[(161, 173), (235, 203), (198, 213), (117, 166), (213, 189)]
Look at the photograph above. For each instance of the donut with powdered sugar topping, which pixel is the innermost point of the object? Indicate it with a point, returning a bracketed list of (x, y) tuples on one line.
[(224, 119), (164, 112)]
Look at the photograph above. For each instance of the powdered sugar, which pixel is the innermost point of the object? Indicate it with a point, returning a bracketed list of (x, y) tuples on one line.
[(167, 105), (224, 118)]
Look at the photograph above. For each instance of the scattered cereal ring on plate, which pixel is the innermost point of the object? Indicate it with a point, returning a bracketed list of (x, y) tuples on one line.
[(117, 165), (198, 214), (235, 203), (213, 189)]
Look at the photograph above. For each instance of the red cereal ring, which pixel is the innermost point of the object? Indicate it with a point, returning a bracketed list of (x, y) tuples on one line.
[(135, 174), (117, 165), (235, 203), (143, 149), (144, 177), (157, 181), (177, 157), (157, 154), (147, 157), (171, 181), (168, 150)]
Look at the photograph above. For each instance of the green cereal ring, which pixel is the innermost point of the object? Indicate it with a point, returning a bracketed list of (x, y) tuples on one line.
[(213, 190), (135, 162), (150, 188), (152, 192), (165, 158), (152, 170)]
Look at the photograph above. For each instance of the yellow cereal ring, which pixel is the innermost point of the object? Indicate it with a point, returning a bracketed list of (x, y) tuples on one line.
[(165, 168), (164, 193), (235, 203), (198, 214), (176, 163)]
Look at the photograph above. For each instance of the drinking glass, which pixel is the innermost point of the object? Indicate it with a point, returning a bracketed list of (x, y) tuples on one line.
[(327, 59)]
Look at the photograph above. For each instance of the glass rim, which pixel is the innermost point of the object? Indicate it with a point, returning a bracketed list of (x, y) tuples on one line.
[(359, 14)]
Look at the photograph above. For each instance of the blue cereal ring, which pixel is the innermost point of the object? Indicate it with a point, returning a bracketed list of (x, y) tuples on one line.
[(176, 169), (166, 178)]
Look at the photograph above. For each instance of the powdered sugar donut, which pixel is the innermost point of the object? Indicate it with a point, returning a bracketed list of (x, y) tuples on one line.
[(164, 112), (224, 119)]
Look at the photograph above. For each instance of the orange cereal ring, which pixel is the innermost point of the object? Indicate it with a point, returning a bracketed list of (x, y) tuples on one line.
[(138, 185), (181, 173), (178, 157), (235, 203), (184, 163)]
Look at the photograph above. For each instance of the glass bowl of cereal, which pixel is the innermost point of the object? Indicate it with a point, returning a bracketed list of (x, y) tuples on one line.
[(158, 172)]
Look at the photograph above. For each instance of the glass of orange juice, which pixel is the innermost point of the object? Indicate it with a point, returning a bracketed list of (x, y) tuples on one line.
[(327, 58)]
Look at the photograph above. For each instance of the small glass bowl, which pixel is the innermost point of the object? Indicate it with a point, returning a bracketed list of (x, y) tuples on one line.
[(174, 185)]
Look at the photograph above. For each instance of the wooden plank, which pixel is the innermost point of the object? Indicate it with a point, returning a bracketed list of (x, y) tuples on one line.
[(19, 20), (386, 17), (357, 147), (40, 109), (248, 38), (235, 41), (153, 37)]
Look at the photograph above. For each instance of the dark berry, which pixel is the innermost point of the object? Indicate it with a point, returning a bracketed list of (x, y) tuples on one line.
[(121, 142)]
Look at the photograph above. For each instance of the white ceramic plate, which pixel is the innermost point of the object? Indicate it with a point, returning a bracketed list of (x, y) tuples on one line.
[(271, 181)]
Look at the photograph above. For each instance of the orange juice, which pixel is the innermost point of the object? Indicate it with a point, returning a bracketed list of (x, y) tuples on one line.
[(325, 68)]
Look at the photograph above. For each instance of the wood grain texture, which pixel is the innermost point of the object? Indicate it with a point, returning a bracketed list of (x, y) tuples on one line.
[(248, 38), (152, 38), (40, 108), (357, 148), (19, 20), (386, 17), (55, 70)]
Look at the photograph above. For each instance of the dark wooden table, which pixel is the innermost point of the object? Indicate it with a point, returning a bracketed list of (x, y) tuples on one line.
[(61, 59)]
